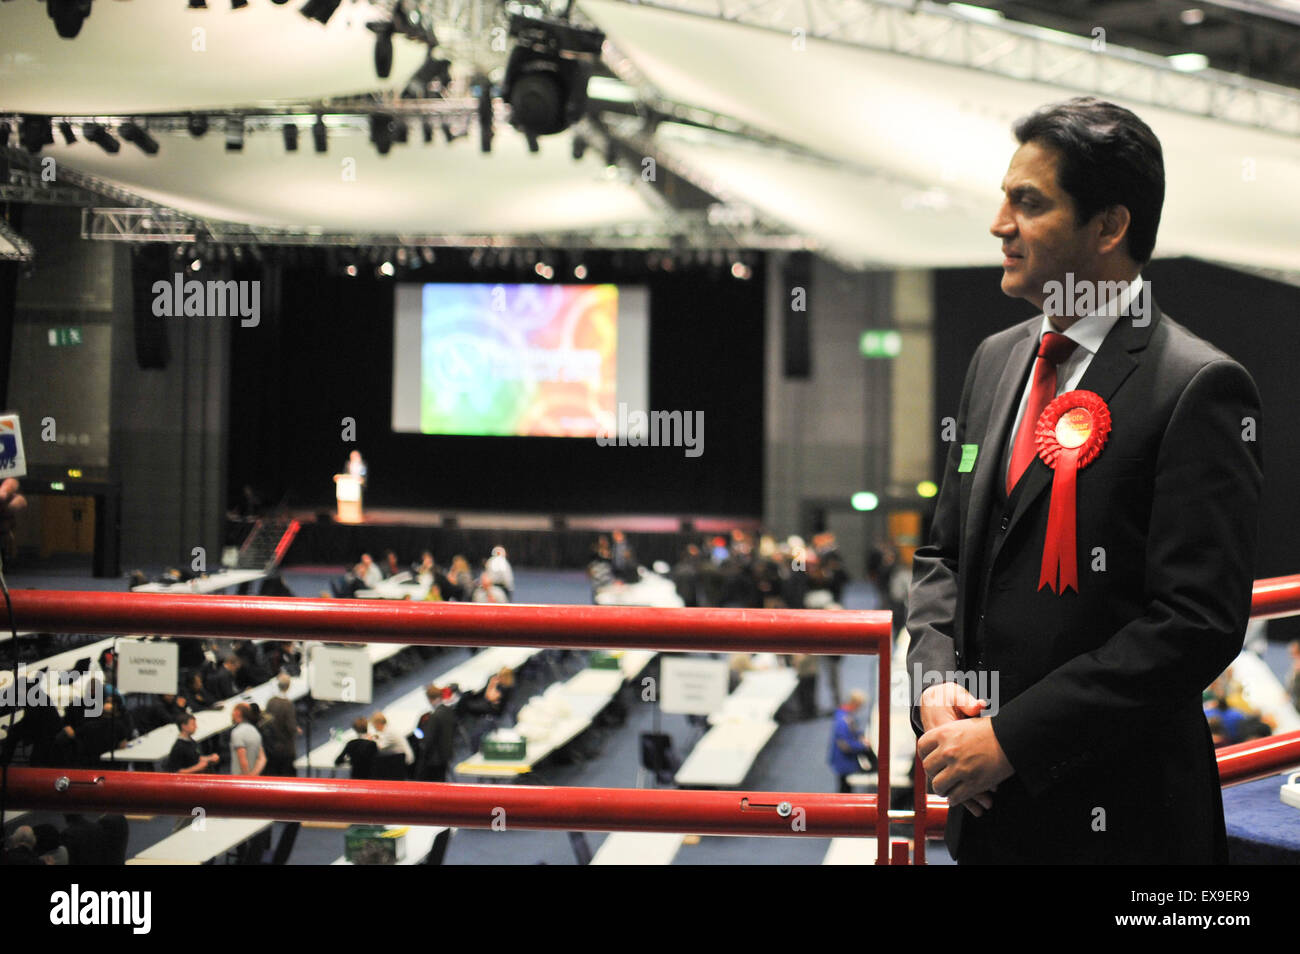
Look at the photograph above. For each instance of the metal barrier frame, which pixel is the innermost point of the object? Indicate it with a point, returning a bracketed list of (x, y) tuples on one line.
[(709, 812), (466, 624)]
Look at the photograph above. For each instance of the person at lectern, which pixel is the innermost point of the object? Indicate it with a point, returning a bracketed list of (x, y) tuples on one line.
[(356, 467)]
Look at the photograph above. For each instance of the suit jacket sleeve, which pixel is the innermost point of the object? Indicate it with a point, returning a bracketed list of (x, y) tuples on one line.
[(1199, 566), (932, 601)]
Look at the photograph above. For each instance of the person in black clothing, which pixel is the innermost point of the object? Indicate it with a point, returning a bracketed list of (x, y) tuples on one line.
[(253, 670), (438, 737), (184, 756), (101, 842), (221, 683), (109, 730), (195, 698), (360, 752), (160, 711)]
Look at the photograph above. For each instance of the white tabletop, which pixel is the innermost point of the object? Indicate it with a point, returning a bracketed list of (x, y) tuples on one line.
[(213, 583), (194, 846), (638, 848), (724, 756), (851, 851)]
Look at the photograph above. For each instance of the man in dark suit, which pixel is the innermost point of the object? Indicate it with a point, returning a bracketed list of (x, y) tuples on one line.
[(1064, 722)]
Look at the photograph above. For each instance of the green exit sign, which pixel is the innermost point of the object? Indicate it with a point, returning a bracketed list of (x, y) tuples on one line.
[(880, 344), (65, 337)]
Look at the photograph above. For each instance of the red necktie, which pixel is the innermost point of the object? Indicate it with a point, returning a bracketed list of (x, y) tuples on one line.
[(1052, 351)]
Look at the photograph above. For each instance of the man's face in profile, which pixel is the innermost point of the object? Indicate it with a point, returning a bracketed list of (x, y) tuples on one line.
[(1036, 223)]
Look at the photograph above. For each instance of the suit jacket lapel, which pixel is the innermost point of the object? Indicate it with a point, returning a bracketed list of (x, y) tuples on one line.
[(990, 464), (1110, 366)]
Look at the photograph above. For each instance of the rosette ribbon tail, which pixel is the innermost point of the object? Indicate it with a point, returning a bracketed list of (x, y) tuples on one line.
[(1060, 551)]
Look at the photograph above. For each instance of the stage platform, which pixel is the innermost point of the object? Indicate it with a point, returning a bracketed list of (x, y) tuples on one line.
[(536, 540)]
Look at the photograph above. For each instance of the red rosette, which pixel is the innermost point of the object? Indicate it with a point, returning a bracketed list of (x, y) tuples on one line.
[(1073, 411), (1070, 433)]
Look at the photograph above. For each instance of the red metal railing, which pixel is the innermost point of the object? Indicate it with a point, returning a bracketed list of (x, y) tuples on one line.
[(595, 809), (460, 624)]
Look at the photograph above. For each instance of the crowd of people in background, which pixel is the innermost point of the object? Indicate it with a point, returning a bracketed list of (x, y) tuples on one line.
[(492, 582)]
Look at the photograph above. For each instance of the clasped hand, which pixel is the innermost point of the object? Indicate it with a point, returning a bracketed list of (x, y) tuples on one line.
[(959, 751)]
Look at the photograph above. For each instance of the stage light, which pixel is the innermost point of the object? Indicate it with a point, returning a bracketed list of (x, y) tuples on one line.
[(386, 269), (546, 76), (34, 133), (428, 255), (485, 117), (431, 70), (290, 137), (65, 128), (137, 136), (927, 488), (101, 137), (740, 270), (196, 264), (580, 272), (383, 31), (234, 133), (351, 271), (381, 132), (197, 123), (318, 134), (320, 10), (68, 15)]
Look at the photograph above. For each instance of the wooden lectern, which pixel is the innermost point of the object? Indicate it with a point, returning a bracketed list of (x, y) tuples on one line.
[(347, 490)]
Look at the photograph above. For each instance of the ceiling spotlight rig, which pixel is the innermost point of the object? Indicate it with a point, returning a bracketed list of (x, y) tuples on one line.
[(547, 73)]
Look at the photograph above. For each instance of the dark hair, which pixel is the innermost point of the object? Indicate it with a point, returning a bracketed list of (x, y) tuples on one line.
[(1108, 157), (182, 719)]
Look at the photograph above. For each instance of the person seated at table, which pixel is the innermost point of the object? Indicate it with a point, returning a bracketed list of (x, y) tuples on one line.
[(848, 743), (390, 742), (500, 572), (184, 758), (221, 682), (390, 567), (193, 696), (360, 751), (253, 671), (495, 697), (460, 580), (161, 710), (487, 591)]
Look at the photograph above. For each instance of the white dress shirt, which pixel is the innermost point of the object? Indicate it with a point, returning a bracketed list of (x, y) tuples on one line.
[(1087, 333)]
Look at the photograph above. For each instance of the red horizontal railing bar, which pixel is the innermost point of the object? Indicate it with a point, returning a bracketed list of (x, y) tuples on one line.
[(1259, 758), (454, 624), (1275, 596), (812, 814)]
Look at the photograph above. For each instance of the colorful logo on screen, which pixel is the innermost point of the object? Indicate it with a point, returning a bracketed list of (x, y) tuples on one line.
[(526, 360)]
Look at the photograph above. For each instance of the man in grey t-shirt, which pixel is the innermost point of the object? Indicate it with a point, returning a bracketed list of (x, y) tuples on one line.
[(246, 755)]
